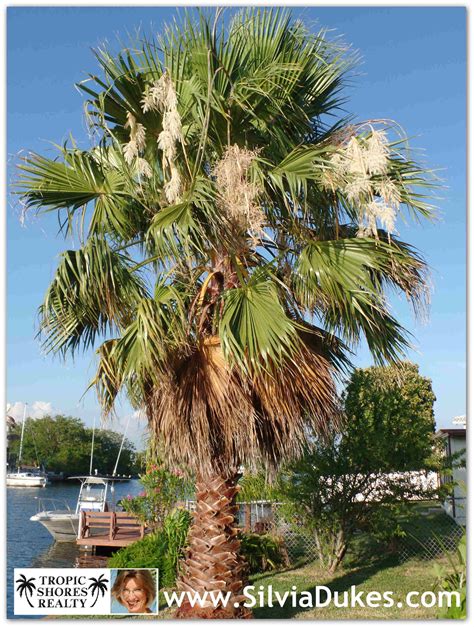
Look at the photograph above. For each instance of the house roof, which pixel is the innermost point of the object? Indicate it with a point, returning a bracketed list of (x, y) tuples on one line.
[(453, 432)]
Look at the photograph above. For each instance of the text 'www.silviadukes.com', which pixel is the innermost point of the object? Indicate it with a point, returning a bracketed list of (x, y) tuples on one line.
[(318, 597)]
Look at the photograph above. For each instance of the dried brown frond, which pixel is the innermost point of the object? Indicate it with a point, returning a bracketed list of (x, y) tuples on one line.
[(210, 416)]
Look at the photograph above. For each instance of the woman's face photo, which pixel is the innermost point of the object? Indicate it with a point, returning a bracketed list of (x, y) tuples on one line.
[(134, 597), (134, 591)]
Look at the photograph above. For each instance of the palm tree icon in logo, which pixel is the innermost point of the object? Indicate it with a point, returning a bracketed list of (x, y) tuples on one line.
[(26, 586), (98, 586)]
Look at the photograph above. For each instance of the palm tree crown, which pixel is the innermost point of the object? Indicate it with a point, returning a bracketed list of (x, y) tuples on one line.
[(235, 244)]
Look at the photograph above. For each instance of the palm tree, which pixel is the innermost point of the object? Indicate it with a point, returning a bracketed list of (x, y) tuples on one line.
[(26, 586), (237, 239), (98, 586)]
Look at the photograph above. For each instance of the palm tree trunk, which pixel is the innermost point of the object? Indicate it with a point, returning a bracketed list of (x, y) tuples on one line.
[(213, 563)]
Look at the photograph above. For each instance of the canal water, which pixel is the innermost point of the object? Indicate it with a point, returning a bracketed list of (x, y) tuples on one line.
[(29, 545)]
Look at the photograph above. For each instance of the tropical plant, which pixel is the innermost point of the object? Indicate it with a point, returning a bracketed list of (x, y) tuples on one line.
[(366, 471), (162, 488), (391, 410), (161, 549), (237, 238), (454, 580), (256, 486), (263, 551)]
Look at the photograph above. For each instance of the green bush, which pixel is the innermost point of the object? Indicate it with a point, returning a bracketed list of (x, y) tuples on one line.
[(162, 487), (454, 580), (164, 548), (161, 549), (263, 551)]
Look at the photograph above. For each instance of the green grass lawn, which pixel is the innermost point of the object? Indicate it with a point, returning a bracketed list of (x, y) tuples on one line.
[(367, 568), (383, 576)]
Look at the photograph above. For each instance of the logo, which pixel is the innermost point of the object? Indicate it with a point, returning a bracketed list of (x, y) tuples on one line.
[(85, 591), (65, 591)]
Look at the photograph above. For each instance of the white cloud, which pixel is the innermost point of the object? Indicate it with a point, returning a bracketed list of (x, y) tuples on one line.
[(37, 409)]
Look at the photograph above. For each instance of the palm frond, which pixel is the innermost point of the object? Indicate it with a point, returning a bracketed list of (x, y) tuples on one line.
[(93, 291), (212, 416), (80, 180), (254, 328), (343, 279)]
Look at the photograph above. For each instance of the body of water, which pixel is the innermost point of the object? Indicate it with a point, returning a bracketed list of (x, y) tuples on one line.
[(29, 544)]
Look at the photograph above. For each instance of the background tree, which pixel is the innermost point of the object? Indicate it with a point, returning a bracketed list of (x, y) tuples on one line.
[(63, 444), (357, 477), (394, 406), (236, 233), (106, 448)]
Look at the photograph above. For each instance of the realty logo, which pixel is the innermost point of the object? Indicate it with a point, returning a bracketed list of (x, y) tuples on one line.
[(98, 586), (65, 591), (26, 586)]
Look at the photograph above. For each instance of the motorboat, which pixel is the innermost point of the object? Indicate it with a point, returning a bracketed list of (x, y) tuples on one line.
[(95, 494)]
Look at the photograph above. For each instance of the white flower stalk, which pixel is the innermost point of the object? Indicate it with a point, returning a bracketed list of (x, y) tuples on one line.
[(387, 190), (144, 168), (386, 215), (161, 96), (358, 189), (238, 195), (137, 141), (130, 151), (355, 158), (359, 170), (172, 187), (376, 153), (154, 96), (172, 123), (140, 136), (368, 221), (373, 211), (137, 131), (167, 145), (333, 176), (147, 101)]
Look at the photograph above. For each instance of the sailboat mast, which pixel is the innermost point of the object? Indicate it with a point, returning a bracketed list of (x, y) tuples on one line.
[(22, 434), (92, 448), (121, 446)]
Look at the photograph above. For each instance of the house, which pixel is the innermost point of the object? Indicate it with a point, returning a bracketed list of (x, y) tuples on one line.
[(455, 446)]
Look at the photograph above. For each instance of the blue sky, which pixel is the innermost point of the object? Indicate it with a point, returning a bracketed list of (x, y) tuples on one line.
[(413, 70)]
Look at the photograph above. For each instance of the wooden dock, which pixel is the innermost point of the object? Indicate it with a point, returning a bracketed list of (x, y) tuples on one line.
[(111, 529)]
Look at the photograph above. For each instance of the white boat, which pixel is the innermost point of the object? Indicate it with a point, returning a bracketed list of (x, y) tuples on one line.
[(26, 477), (34, 478), (96, 493)]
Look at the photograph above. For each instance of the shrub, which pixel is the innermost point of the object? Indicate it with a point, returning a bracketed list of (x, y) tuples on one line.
[(164, 548), (454, 581), (263, 551), (160, 549), (162, 487)]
